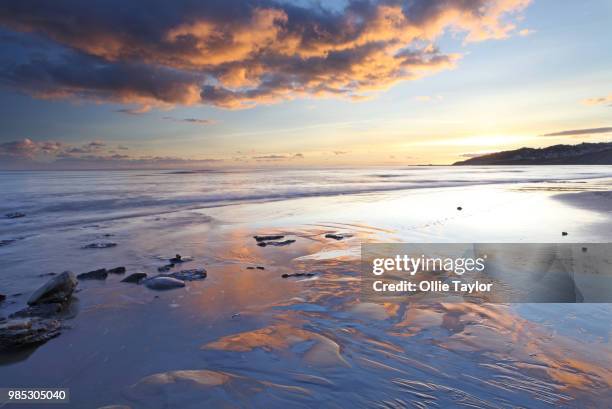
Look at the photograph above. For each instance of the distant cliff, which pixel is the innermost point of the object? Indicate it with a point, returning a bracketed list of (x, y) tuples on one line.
[(582, 154)]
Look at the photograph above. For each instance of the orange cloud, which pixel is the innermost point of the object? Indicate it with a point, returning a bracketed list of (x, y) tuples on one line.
[(236, 54)]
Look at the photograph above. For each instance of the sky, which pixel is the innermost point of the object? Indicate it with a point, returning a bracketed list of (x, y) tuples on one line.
[(224, 83)]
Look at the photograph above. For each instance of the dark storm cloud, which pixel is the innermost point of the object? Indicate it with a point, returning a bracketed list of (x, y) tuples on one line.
[(232, 53)]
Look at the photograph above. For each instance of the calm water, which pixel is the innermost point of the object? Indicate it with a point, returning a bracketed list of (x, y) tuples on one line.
[(245, 338)]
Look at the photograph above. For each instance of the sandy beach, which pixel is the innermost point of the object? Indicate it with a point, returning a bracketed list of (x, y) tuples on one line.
[(249, 337)]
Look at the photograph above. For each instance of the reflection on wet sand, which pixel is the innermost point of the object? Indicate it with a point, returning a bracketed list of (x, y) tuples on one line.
[(251, 338)]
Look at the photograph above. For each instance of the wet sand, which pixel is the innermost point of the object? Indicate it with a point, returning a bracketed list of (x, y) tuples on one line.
[(250, 338)]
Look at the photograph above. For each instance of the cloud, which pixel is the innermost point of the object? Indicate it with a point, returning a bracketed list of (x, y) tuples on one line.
[(270, 157), (26, 148), (28, 154), (607, 100), (573, 132), (199, 121), (232, 53)]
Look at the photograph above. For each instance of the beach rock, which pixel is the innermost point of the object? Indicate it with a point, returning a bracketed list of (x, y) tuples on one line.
[(165, 268), (275, 243), (134, 278), (164, 283), (58, 289), (20, 332), (100, 274), (117, 270), (336, 236), (176, 259), (49, 310), (14, 215), (101, 245), (2, 297), (564, 233), (297, 275), (188, 275), (267, 238), (260, 268), (250, 268), (459, 208)]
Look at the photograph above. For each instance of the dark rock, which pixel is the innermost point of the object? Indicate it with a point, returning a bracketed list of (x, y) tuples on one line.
[(584, 249), (134, 278), (260, 268), (58, 289), (14, 215), (49, 310), (336, 236), (117, 270), (275, 243), (297, 275), (176, 259), (267, 238), (165, 268), (2, 297), (188, 275), (102, 245), (459, 208), (163, 283), (250, 268), (100, 274), (21, 332), (564, 233)]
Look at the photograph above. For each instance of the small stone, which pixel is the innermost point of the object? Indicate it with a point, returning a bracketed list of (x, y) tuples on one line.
[(459, 208), (14, 215), (117, 270), (260, 268), (335, 236), (164, 283), (275, 243), (297, 275), (188, 275), (134, 278), (250, 268), (268, 238), (58, 289), (584, 249), (564, 233), (100, 274), (103, 245)]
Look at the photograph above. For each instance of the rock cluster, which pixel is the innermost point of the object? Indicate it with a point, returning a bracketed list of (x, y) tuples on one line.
[(39, 322)]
